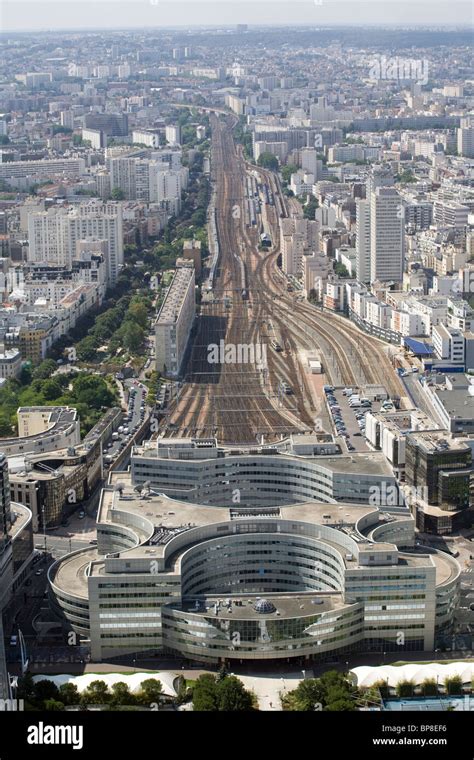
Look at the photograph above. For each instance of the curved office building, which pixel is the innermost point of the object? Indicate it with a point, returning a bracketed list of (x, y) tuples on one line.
[(311, 579)]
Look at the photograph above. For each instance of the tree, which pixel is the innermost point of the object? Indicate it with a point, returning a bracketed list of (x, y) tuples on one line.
[(341, 270), (268, 161), (150, 692), (309, 209), (45, 689), (331, 692), (121, 695), (407, 177), (51, 389), (430, 687), (205, 694), (97, 693), (223, 672), (69, 694), (232, 695), (117, 194), (53, 705), (307, 695), (405, 688), (44, 370), (92, 391), (132, 336), (86, 349), (453, 685), (26, 688), (138, 313), (287, 171)]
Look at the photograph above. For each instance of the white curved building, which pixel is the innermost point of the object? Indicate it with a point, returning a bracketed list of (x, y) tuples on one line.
[(212, 583)]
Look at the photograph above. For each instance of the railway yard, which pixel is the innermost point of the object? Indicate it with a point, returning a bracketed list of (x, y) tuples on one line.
[(265, 394)]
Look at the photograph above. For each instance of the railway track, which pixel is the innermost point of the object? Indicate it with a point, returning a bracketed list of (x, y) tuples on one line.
[(234, 402), (243, 403)]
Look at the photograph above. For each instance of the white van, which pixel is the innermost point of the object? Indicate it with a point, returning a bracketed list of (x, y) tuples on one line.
[(354, 404)]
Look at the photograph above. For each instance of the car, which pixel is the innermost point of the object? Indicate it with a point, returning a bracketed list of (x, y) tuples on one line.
[(13, 640), (93, 542), (414, 369), (355, 434), (40, 571), (350, 447), (81, 514)]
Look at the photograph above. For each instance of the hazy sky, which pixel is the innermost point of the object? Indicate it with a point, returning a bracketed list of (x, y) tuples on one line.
[(79, 14)]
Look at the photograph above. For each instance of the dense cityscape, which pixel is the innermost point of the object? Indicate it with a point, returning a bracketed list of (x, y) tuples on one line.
[(237, 370)]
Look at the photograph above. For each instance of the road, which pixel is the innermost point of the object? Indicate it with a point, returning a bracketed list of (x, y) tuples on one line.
[(132, 419)]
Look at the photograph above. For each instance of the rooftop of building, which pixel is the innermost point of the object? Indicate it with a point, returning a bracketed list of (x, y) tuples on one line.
[(457, 403), (173, 302), (404, 420), (22, 516), (437, 441), (369, 463), (273, 606)]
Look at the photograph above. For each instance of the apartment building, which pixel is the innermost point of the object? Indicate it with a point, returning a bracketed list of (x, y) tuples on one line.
[(175, 320)]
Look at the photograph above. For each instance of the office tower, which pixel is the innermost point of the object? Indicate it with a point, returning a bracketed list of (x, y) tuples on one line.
[(440, 470), (363, 240), (386, 235), (112, 124)]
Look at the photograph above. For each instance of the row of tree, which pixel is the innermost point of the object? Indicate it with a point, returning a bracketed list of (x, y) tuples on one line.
[(45, 695)]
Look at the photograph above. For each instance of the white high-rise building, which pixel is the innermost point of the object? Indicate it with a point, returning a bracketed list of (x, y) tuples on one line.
[(173, 134), (363, 240), (54, 235), (48, 238), (386, 235), (310, 162), (175, 320), (466, 138), (122, 176), (298, 237), (100, 221)]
